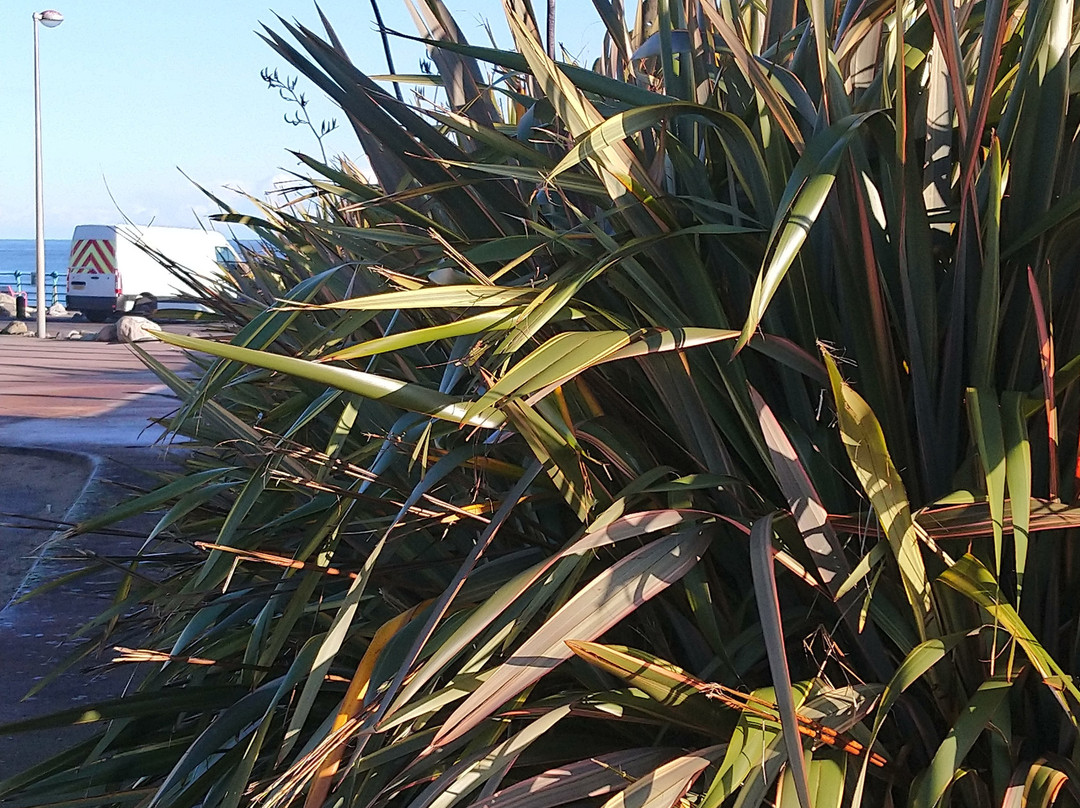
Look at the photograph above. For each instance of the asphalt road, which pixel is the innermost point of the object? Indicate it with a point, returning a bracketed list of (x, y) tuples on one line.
[(76, 429)]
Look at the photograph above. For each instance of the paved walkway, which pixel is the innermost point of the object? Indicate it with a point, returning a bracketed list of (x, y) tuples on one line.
[(75, 426)]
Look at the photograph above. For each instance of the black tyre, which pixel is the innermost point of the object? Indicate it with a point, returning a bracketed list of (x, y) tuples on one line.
[(145, 305)]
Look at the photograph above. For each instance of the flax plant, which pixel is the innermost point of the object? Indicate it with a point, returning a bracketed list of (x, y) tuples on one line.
[(692, 427)]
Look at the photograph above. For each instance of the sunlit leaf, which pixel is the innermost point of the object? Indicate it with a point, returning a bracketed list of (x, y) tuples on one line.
[(608, 598)]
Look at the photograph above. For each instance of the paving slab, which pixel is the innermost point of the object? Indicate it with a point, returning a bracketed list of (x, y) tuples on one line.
[(30, 510), (76, 431)]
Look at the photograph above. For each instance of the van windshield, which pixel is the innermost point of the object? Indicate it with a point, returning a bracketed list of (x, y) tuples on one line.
[(226, 258)]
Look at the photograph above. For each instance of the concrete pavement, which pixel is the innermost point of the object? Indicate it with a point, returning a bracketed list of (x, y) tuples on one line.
[(75, 426)]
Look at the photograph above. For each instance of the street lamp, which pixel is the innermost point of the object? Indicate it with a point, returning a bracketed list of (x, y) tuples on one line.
[(50, 19)]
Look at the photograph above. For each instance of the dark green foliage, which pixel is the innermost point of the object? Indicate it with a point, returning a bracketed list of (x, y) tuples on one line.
[(636, 423)]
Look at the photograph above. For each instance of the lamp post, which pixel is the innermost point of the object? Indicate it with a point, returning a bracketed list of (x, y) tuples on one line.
[(50, 19)]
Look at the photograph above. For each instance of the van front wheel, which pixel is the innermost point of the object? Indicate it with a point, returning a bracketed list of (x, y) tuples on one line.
[(145, 305)]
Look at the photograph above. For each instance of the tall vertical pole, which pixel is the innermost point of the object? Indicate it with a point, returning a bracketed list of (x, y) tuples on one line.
[(39, 203), (551, 29)]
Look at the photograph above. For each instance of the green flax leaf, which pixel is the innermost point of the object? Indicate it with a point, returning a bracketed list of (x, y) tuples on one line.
[(970, 578), (986, 427), (406, 395), (949, 758), (865, 444), (803, 199), (603, 602), (768, 603)]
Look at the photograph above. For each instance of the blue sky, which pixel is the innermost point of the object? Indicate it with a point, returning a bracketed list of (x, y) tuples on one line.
[(130, 99)]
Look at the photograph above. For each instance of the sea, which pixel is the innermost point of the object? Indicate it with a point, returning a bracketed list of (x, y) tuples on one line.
[(18, 265)]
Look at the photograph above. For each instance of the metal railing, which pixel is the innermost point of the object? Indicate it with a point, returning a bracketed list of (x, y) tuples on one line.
[(12, 283)]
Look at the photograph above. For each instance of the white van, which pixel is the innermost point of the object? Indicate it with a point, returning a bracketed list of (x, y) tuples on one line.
[(112, 266)]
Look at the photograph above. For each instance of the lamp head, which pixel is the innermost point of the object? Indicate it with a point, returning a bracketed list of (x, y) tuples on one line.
[(50, 18)]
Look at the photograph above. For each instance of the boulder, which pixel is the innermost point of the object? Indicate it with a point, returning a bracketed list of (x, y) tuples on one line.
[(7, 305), (57, 310), (16, 328), (134, 329), (106, 334)]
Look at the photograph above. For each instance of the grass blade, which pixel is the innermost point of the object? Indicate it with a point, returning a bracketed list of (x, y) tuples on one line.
[(1046, 359), (986, 427), (949, 758), (396, 393), (602, 603), (970, 578), (666, 785), (1018, 477), (869, 456), (768, 603), (803, 199), (596, 777)]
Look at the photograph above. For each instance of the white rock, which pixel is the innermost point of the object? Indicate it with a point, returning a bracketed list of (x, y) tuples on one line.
[(74, 335), (56, 310), (7, 305), (448, 276), (134, 329)]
